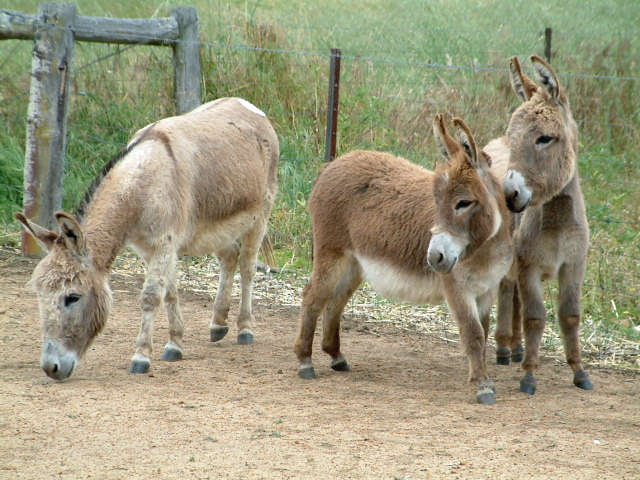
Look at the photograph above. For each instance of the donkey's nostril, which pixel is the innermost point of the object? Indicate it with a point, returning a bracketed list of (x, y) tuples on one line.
[(55, 368), (515, 194), (441, 258)]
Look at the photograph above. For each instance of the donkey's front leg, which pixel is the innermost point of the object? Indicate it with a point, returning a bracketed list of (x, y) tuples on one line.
[(472, 336), (150, 300), (228, 259), (535, 318), (570, 281)]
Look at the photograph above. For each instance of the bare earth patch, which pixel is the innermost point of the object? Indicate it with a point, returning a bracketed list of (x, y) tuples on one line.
[(230, 411)]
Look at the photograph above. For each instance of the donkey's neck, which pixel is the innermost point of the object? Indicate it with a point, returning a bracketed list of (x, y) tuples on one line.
[(567, 207), (107, 224)]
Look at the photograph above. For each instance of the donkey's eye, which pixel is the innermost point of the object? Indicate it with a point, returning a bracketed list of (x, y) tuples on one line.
[(462, 204), (543, 140), (71, 299)]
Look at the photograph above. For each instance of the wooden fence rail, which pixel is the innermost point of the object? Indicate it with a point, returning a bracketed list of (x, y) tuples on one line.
[(55, 29)]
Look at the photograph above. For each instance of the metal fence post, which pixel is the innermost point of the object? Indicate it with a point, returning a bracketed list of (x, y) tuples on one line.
[(547, 44), (186, 60), (47, 116), (332, 110)]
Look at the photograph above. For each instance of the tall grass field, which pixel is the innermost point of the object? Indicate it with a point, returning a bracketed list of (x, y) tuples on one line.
[(402, 63)]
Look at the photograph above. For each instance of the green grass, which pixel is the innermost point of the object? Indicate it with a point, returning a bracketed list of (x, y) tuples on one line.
[(398, 71)]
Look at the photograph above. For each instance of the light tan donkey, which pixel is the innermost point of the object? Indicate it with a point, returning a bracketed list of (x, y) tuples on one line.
[(187, 185), (538, 160), (415, 235)]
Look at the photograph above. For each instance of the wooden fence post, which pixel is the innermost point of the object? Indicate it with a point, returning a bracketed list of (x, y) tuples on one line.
[(332, 110), (47, 116), (186, 60)]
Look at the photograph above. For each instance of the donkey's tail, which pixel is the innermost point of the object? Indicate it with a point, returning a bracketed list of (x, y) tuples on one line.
[(267, 251)]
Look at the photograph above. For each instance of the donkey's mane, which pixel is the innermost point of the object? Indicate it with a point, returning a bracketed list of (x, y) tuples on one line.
[(81, 209)]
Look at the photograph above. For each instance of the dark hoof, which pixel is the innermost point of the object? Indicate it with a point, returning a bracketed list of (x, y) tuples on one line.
[(171, 355), (485, 396), (245, 337), (307, 372), (139, 367), (517, 354), (528, 384), (581, 380), (340, 364), (503, 356), (218, 333)]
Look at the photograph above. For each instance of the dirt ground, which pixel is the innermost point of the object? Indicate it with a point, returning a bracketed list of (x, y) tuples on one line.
[(230, 411)]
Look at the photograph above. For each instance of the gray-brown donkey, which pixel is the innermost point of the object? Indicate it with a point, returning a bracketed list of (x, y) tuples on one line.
[(538, 160), (415, 235), (185, 185)]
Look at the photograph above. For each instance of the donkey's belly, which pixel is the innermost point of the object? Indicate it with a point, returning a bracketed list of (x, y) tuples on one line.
[(398, 284), (216, 236)]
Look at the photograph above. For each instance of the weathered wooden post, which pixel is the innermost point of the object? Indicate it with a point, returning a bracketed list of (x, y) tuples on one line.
[(47, 116), (186, 60), (332, 109)]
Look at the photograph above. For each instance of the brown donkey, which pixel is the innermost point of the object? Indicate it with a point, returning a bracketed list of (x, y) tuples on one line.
[(416, 236), (185, 185), (538, 160)]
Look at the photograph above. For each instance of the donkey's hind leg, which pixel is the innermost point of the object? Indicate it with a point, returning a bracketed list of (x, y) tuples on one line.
[(331, 318), (228, 259), (328, 269), (248, 256), (173, 349)]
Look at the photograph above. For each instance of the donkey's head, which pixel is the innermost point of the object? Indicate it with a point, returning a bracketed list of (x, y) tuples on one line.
[(543, 139), (73, 297), (465, 192)]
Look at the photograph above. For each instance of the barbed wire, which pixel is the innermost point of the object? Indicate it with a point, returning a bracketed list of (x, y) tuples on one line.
[(476, 68)]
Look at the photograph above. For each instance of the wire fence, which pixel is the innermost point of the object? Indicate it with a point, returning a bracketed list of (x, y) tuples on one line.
[(410, 89)]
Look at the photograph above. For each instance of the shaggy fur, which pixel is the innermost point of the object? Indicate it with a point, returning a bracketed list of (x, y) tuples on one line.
[(187, 185), (551, 235), (377, 216)]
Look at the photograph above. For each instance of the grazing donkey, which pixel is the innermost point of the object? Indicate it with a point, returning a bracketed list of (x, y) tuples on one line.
[(186, 185), (538, 160), (415, 235)]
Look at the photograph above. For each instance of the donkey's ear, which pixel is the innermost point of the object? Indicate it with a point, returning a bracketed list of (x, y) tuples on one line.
[(71, 232), (448, 146), (547, 77), (521, 84), (467, 141), (45, 237)]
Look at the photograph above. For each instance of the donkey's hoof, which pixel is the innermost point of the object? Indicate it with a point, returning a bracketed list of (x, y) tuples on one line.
[(486, 395), (307, 372), (517, 354), (139, 364), (218, 332), (245, 337), (581, 380), (171, 354), (503, 356), (340, 364), (528, 384)]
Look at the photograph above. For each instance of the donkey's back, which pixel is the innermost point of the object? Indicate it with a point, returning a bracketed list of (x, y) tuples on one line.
[(202, 178)]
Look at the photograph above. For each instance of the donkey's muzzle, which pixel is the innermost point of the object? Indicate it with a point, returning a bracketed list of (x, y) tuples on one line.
[(56, 361), (443, 253), (516, 193)]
